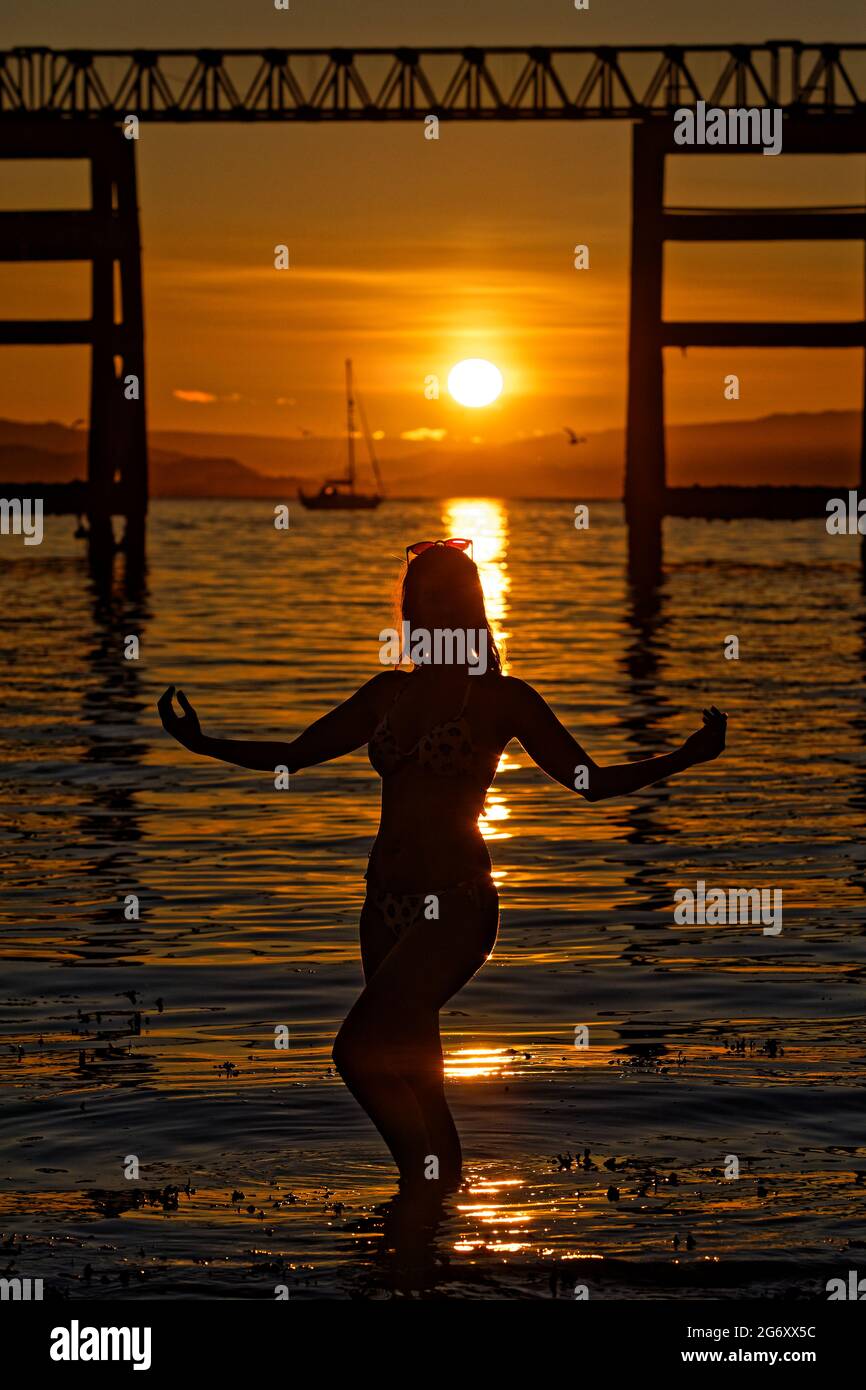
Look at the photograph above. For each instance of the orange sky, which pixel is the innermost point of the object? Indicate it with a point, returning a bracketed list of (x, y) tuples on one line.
[(408, 254)]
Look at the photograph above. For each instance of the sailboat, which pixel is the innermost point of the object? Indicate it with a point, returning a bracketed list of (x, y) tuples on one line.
[(340, 494)]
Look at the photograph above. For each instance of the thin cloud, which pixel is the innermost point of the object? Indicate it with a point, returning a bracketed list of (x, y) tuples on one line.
[(195, 397), (422, 432), (208, 398)]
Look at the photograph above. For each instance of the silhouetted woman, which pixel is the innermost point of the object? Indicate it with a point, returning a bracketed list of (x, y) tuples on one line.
[(429, 921)]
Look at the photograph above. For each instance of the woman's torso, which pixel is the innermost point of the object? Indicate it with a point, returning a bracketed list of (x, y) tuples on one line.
[(436, 748)]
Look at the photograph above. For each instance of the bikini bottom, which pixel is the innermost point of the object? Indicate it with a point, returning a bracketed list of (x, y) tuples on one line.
[(400, 911)]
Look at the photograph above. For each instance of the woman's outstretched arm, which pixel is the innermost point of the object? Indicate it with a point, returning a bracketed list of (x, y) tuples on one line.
[(552, 747), (342, 730)]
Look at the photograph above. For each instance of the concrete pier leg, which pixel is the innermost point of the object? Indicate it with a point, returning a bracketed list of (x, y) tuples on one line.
[(133, 465), (645, 478), (106, 236)]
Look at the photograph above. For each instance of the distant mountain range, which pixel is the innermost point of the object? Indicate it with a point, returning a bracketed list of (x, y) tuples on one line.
[(794, 449)]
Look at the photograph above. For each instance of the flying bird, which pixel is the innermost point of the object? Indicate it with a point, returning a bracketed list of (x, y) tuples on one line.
[(572, 437)]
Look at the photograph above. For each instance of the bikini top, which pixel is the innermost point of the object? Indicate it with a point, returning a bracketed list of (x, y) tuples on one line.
[(446, 750)]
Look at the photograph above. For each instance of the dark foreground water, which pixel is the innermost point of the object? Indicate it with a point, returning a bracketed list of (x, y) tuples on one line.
[(707, 1043)]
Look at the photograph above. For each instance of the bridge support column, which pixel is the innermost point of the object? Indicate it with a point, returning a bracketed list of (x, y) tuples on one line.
[(107, 236), (134, 465), (645, 479), (647, 497), (862, 488)]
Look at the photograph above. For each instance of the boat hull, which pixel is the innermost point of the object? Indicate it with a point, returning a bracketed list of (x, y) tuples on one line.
[(339, 502)]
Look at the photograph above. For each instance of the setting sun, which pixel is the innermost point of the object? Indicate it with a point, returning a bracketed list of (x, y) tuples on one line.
[(475, 382)]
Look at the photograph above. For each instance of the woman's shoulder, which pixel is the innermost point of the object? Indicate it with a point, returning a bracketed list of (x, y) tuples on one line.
[(501, 692), (513, 699), (507, 688), (391, 679), (383, 688)]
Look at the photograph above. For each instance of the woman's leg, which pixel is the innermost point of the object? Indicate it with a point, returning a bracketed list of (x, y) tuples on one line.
[(389, 1052), (423, 1072), (427, 1080), (361, 1056), (366, 1066)]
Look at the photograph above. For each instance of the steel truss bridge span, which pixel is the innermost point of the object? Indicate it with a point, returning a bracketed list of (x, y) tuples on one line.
[(383, 84)]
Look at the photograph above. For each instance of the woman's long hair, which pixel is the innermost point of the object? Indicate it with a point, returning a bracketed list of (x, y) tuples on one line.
[(454, 578)]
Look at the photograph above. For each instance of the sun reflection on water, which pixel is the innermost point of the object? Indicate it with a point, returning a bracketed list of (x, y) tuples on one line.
[(485, 521), (470, 1062), (488, 1206)]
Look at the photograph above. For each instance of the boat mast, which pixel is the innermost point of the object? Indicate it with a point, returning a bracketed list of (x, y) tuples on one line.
[(350, 423), (371, 450)]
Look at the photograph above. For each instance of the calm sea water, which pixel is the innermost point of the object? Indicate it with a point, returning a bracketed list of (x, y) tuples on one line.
[(705, 1041)]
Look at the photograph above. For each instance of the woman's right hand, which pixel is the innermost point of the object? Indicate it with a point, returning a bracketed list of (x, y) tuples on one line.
[(185, 728)]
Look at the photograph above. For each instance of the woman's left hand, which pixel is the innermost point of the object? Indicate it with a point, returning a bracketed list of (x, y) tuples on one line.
[(707, 743)]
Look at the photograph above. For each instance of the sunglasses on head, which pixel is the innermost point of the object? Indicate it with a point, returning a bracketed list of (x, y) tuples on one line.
[(455, 543)]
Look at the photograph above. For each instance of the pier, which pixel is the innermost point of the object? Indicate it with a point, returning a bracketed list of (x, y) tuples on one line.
[(73, 103)]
